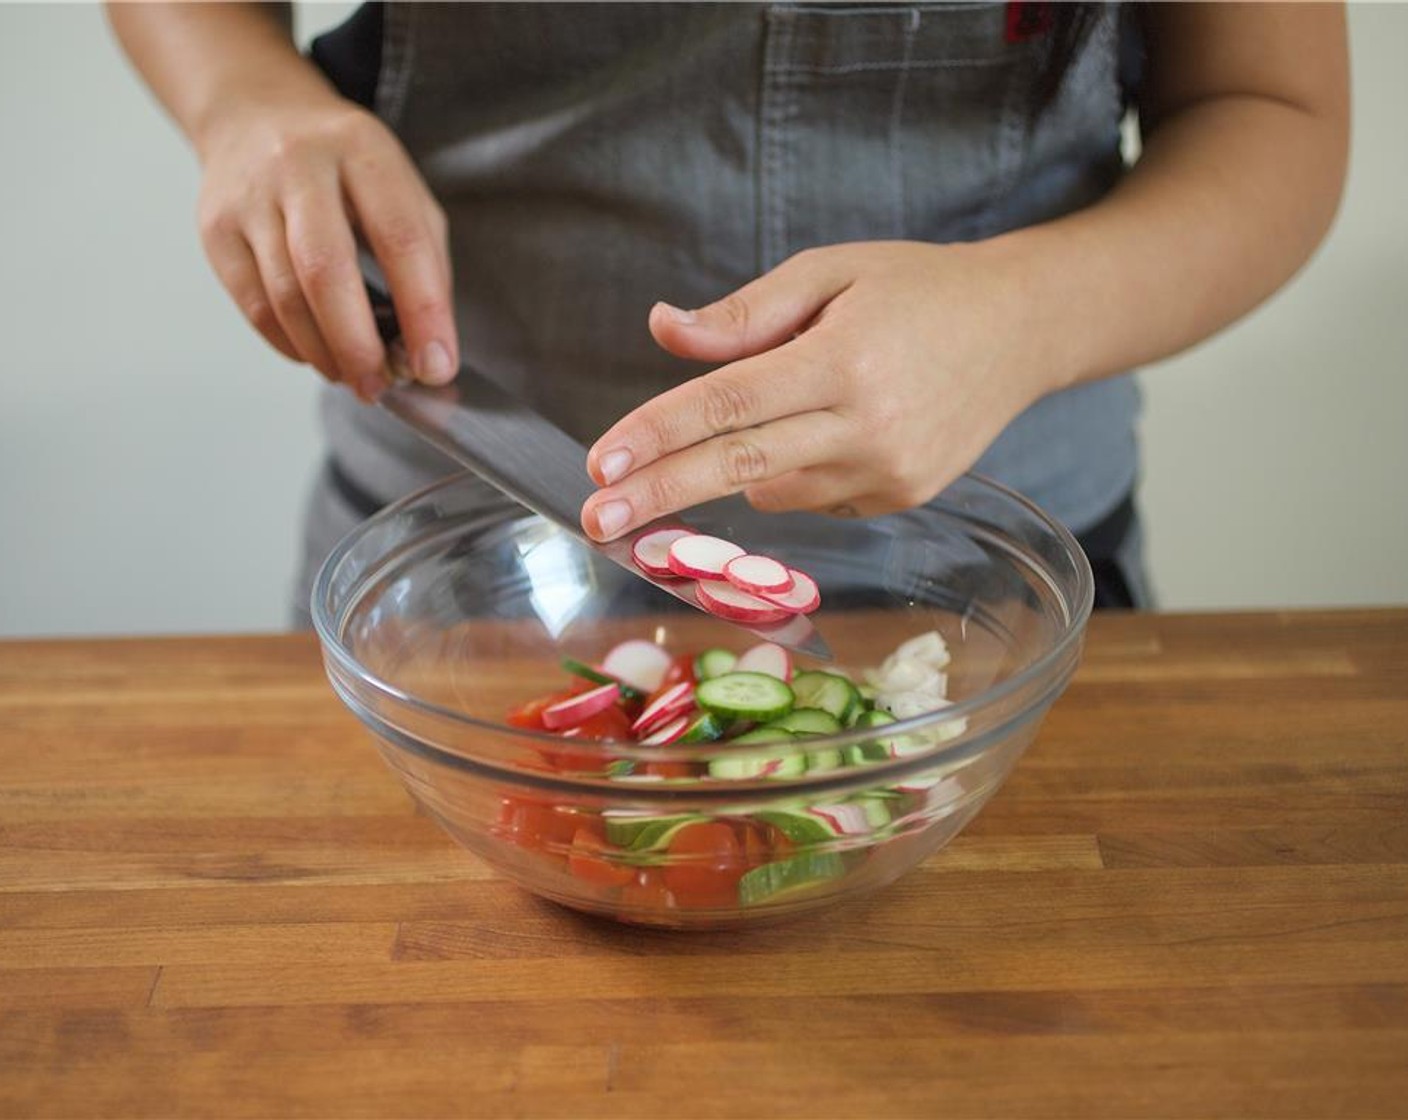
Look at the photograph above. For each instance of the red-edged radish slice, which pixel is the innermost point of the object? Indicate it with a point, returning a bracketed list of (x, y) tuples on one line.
[(758, 575), (580, 708), (674, 701), (671, 732), (720, 597), (700, 556), (651, 551), (802, 599), (766, 657), (846, 819), (638, 663)]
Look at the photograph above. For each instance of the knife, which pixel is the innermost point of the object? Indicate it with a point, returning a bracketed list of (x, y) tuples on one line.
[(520, 452)]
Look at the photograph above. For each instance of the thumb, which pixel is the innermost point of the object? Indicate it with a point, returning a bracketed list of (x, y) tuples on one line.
[(762, 314)]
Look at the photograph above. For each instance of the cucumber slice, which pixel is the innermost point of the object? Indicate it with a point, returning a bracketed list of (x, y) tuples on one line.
[(800, 828), (704, 728), (873, 718), (863, 754), (713, 663), (877, 811), (808, 721), (818, 761), (772, 733), (873, 750), (743, 767), (754, 696), (774, 880), (641, 832), (828, 691), (596, 676)]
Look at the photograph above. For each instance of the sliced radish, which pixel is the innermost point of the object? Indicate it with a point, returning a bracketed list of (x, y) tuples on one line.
[(580, 708), (759, 575), (845, 819), (672, 731), (674, 701), (701, 557), (723, 599), (802, 599), (766, 657), (638, 663), (651, 551)]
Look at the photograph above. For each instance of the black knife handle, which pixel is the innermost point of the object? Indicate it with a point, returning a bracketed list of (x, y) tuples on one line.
[(383, 310)]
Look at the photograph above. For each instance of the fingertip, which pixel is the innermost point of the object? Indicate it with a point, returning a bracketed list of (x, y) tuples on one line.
[(684, 340), (605, 519), (677, 316), (434, 364)]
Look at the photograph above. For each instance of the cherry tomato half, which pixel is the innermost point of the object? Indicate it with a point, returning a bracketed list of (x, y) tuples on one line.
[(705, 865), (590, 860)]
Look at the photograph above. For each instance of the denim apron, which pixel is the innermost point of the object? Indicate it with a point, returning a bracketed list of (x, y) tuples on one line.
[(595, 158)]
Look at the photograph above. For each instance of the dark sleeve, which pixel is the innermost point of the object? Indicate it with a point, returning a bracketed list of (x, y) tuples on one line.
[(350, 54)]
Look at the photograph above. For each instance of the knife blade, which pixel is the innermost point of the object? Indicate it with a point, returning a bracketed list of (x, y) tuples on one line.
[(520, 452)]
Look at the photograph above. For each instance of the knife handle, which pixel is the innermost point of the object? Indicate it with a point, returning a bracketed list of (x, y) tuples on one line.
[(383, 310), (388, 327)]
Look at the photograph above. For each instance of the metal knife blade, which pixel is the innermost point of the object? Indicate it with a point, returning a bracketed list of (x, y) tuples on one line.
[(519, 451)]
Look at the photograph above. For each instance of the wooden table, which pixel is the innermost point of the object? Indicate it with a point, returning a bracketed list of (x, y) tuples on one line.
[(1190, 900)]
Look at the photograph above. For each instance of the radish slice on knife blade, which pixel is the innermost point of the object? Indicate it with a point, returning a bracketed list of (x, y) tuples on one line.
[(720, 597), (802, 599), (700, 556), (651, 551), (758, 575)]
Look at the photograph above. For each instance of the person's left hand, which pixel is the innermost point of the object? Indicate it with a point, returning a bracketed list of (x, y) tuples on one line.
[(863, 378)]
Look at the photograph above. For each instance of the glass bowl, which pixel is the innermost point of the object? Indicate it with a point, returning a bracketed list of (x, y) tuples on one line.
[(453, 608)]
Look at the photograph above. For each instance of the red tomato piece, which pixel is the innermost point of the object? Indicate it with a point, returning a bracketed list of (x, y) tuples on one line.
[(531, 823), (610, 725), (755, 842), (667, 769), (588, 860), (648, 892), (705, 865), (605, 726), (529, 716)]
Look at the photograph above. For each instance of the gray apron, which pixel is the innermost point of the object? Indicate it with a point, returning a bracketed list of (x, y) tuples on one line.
[(595, 158)]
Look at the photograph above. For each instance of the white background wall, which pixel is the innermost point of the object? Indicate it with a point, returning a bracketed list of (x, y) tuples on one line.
[(154, 454)]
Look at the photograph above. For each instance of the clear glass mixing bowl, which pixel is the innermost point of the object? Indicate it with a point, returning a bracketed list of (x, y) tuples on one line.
[(448, 610)]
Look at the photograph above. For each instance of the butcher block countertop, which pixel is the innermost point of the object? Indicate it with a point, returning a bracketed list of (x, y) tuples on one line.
[(1191, 899)]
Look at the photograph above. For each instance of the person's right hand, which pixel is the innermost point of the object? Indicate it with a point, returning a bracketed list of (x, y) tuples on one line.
[(287, 190)]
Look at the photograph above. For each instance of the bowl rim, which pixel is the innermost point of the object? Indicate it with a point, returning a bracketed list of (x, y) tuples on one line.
[(1078, 616)]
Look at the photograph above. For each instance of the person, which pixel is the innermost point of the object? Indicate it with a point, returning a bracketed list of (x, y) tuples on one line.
[(828, 256)]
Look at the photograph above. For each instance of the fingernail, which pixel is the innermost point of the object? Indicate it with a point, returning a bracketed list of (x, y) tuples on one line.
[(677, 315), (611, 517), (435, 366), (372, 388), (614, 464)]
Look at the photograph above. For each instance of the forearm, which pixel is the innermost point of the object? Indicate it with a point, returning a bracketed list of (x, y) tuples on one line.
[(202, 60), (1233, 192)]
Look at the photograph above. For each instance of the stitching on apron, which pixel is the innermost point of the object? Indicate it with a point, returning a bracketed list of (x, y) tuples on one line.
[(778, 105), (896, 131), (902, 64), (397, 62), (891, 9)]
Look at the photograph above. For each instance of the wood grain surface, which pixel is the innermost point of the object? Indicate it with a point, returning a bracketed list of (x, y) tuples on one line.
[(1191, 899)]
